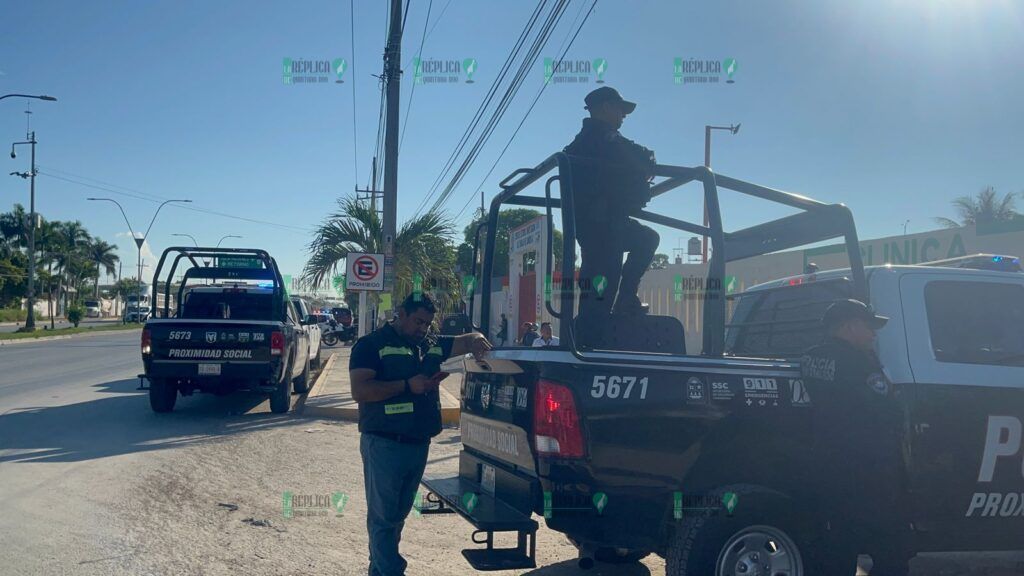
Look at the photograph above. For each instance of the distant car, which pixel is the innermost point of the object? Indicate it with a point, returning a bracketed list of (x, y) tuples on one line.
[(92, 309), (342, 315), (326, 321), (137, 314)]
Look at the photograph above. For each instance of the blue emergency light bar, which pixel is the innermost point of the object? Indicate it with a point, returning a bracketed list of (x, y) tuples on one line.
[(995, 262)]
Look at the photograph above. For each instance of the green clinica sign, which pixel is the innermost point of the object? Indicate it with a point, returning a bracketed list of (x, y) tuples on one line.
[(677, 288)]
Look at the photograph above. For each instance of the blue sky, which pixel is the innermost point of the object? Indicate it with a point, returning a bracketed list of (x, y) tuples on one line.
[(893, 107)]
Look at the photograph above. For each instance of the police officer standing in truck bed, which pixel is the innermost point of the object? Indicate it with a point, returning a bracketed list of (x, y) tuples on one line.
[(857, 446), (611, 180), (395, 373)]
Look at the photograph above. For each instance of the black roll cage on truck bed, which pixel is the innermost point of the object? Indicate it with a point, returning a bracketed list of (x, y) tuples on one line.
[(269, 271), (816, 222)]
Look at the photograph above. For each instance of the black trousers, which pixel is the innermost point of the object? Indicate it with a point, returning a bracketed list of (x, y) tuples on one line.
[(601, 250)]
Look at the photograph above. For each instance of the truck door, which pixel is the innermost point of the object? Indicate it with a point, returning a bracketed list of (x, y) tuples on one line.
[(965, 338)]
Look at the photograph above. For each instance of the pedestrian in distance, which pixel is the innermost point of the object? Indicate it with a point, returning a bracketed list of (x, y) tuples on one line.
[(531, 333), (395, 373), (502, 336), (857, 435), (546, 337)]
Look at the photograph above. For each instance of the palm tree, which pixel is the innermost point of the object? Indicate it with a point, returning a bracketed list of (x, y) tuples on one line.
[(986, 207), (420, 246), (73, 238), (103, 254)]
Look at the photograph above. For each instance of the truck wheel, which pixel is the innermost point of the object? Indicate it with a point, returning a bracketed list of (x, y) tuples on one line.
[(302, 382), (162, 395), (281, 399), (760, 539)]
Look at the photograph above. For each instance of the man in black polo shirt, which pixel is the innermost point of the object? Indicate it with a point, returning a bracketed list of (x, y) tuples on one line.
[(395, 373)]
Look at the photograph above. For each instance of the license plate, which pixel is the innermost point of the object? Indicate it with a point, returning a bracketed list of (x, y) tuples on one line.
[(488, 479), (209, 369)]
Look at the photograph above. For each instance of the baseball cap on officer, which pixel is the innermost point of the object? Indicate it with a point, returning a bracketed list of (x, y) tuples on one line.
[(608, 94), (842, 310)]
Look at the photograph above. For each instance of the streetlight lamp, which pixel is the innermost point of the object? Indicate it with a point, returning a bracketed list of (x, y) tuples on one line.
[(30, 296), (225, 237), (905, 226), (707, 164), (188, 236), (138, 241)]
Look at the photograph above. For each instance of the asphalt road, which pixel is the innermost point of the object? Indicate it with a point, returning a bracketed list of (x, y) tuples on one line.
[(93, 482)]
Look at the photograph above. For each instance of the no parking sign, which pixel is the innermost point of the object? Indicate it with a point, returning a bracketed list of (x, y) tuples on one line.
[(364, 271)]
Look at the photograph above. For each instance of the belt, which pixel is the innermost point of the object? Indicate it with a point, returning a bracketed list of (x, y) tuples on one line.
[(401, 438)]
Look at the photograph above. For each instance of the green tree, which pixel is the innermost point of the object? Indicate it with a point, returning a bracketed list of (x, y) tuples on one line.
[(507, 221), (660, 261), (984, 208), (422, 246), (104, 256)]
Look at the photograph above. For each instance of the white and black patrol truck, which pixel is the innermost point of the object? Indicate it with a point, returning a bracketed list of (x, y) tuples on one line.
[(235, 329), (640, 446)]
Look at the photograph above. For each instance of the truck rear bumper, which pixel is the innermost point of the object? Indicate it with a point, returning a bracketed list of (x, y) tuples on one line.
[(232, 374)]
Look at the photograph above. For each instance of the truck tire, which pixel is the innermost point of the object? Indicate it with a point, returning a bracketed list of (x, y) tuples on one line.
[(302, 382), (765, 536), (281, 399), (162, 395)]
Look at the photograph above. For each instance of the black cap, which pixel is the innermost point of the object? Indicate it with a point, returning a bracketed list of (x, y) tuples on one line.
[(843, 310), (608, 94)]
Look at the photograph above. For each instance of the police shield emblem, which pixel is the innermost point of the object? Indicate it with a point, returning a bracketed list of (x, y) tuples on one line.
[(878, 383), (211, 337)]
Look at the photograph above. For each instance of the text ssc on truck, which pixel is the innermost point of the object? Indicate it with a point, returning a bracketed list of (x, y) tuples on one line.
[(234, 328), (641, 446)]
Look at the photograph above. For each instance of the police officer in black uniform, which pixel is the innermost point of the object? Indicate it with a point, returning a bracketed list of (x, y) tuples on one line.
[(857, 446), (611, 180), (395, 373)]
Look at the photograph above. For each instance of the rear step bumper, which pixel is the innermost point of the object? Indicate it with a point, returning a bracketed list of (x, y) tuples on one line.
[(488, 515)]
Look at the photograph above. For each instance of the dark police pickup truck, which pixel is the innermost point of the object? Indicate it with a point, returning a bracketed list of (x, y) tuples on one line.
[(237, 329), (640, 447)]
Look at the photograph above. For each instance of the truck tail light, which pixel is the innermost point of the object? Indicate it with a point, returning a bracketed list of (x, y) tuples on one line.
[(556, 423), (147, 342), (276, 343)]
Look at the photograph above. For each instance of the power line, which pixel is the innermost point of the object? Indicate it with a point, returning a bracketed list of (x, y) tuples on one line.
[(419, 55), (484, 104), (564, 49), (511, 91), (139, 195)]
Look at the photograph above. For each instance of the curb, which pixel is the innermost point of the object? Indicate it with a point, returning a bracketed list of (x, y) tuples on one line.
[(449, 416), (64, 337)]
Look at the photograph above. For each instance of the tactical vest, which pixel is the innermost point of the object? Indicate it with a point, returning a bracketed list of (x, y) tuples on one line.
[(408, 414)]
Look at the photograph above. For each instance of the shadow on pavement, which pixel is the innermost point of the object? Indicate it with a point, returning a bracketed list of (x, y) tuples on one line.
[(569, 568), (124, 424)]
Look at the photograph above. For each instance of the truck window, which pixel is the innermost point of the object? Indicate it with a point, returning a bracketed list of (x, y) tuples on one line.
[(227, 305), (976, 322), (784, 322)]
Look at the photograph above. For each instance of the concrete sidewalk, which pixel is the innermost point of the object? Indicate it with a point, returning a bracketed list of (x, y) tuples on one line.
[(331, 396)]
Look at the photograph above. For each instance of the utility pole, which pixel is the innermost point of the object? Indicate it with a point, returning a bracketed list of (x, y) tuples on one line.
[(392, 75)]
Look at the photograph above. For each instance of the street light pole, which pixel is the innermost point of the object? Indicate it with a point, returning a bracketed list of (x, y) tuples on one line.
[(30, 316), (707, 164), (188, 236), (138, 243), (224, 238)]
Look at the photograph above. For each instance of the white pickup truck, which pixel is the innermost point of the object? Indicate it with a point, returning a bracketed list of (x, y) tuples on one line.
[(311, 327)]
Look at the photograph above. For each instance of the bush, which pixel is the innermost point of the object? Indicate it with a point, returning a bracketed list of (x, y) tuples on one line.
[(75, 314), (12, 315)]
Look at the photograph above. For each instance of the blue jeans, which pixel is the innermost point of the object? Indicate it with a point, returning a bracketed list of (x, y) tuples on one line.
[(391, 472)]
